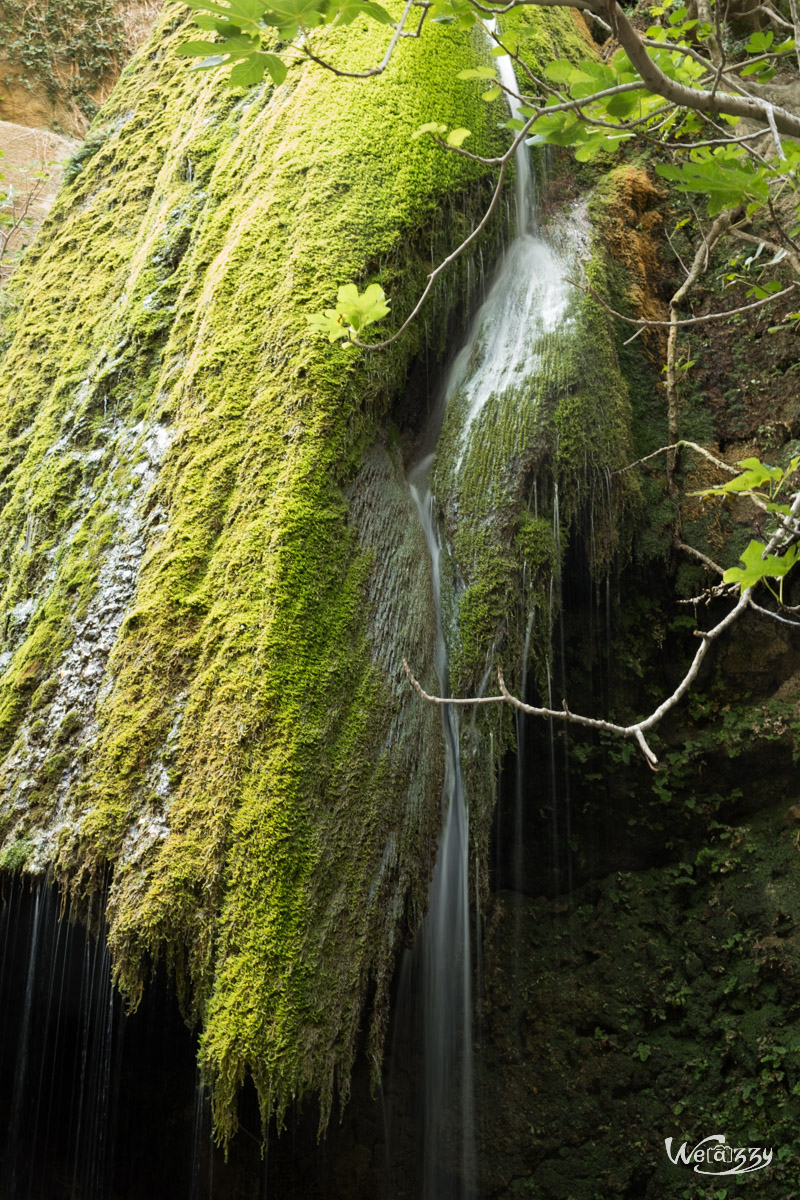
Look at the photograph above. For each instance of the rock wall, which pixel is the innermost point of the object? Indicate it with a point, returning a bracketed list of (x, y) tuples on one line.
[(642, 947), (59, 65), (210, 565)]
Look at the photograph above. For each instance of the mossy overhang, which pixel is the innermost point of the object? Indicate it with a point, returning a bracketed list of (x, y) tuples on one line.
[(190, 696)]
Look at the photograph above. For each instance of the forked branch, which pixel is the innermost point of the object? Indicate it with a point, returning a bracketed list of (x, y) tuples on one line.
[(638, 729)]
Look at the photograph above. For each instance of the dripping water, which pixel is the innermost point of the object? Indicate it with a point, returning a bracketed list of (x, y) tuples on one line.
[(448, 1167), (201, 1185), (53, 1034)]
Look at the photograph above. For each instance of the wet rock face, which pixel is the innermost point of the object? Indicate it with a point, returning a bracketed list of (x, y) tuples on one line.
[(54, 741), (208, 579)]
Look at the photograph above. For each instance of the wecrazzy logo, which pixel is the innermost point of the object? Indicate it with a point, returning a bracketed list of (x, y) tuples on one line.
[(713, 1156)]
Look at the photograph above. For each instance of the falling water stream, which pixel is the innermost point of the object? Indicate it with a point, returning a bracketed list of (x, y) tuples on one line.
[(527, 301), (63, 978)]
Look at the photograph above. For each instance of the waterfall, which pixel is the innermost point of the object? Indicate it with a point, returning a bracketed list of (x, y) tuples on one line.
[(527, 303)]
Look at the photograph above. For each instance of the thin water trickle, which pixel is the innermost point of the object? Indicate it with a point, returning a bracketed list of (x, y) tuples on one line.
[(202, 1172), (448, 1167), (23, 1056)]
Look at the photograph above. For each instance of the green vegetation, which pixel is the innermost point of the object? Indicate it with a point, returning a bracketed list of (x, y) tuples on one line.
[(617, 1039), (183, 468), (68, 51), (173, 482), (664, 85)]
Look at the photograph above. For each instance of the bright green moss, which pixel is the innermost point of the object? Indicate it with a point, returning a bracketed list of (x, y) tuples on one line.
[(175, 446), (537, 460), (522, 481), (176, 450), (15, 855)]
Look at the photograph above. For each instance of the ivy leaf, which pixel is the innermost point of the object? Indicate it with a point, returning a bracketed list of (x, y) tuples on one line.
[(755, 476), (352, 9), (477, 73), (600, 141), (354, 312), (192, 49), (252, 70), (559, 71), (726, 179), (760, 42), (560, 129), (362, 310), (623, 105), (761, 291), (757, 568), (330, 323), (433, 127), (215, 60)]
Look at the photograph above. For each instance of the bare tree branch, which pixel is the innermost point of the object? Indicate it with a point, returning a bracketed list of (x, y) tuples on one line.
[(788, 530), (637, 730), (646, 323), (698, 267), (719, 102), (773, 17), (700, 100), (709, 562), (398, 33), (767, 612), (790, 253), (718, 462)]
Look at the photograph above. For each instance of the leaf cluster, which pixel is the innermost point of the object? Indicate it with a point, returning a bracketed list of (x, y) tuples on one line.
[(766, 485), (354, 312), (592, 106), (240, 26)]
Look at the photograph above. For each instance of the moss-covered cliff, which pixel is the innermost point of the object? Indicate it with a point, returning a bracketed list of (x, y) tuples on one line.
[(210, 568)]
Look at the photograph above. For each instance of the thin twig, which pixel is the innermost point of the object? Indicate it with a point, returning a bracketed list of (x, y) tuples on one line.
[(722, 141), (773, 128), (709, 562), (767, 612), (646, 323), (770, 245), (773, 16), (386, 58), (699, 266), (434, 275), (637, 730), (718, 462)]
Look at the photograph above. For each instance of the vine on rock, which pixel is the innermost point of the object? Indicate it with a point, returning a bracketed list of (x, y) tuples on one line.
[(67, 49)]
